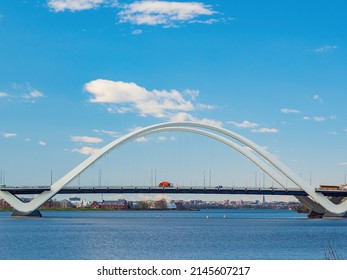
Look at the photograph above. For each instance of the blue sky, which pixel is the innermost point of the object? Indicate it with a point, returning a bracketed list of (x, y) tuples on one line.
[(76, 74)]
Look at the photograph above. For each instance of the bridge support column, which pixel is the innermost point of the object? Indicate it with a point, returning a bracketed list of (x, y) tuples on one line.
[(328, 214), (34, 214), (316, 211)]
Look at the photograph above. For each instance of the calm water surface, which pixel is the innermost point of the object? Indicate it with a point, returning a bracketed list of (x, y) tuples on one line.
[(206, 234)]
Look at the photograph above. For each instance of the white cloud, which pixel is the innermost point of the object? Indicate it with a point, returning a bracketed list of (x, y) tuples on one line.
[(134, 129), (42, 143), (76, 5), (136, 32), (3, 94), (121, 110), (32, 95), (317, 98), (164, 138), (160, 138), (86, 139), (36, 93), (126, 97), (265, 130), (142, 139), (113, 134), (166, 13), (290, 111), (327, 48), (86, 150), (316, 119), (185, 117), (24, 92), (192, 93), (244, 124), (133, 98), (208, 21), (8, 134), (343, 163), (204, 107)]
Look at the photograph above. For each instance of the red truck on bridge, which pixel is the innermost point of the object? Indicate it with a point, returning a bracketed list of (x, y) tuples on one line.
[(165, 184)]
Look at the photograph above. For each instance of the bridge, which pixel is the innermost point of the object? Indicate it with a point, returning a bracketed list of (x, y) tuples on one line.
[(33, 190), (162, 190), (320, 203)]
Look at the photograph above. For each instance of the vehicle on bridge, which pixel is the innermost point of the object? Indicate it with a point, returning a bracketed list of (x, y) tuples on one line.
[(332, 188), (165, 184)]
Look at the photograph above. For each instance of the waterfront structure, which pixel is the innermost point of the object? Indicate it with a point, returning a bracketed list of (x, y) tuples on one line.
[(280, 173), (119, 204)]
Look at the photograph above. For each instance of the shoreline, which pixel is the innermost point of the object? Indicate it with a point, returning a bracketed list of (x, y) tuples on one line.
[(143, 210)]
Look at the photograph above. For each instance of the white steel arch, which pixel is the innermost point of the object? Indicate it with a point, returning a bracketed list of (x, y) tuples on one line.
[(263, 162)]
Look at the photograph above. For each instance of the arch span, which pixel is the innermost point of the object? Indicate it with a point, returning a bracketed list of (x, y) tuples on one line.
[(261, 158)]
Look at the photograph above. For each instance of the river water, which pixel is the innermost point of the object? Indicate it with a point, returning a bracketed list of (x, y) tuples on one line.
[(171, 235)]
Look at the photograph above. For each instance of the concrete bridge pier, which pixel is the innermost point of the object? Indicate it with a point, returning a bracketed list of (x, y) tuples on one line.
[(336, 200), (317, 211), (34, 214)]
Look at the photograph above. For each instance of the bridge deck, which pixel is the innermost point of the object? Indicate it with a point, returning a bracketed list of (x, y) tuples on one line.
[(192, 190), (156, 190), (171, 190)]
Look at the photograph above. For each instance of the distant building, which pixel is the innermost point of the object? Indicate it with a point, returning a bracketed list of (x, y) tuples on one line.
[(179, 205), (4, 204), (94, 205), (64, 204), (171, 206), (48, 204), (119, 204), (78, 202), (196, 202)]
